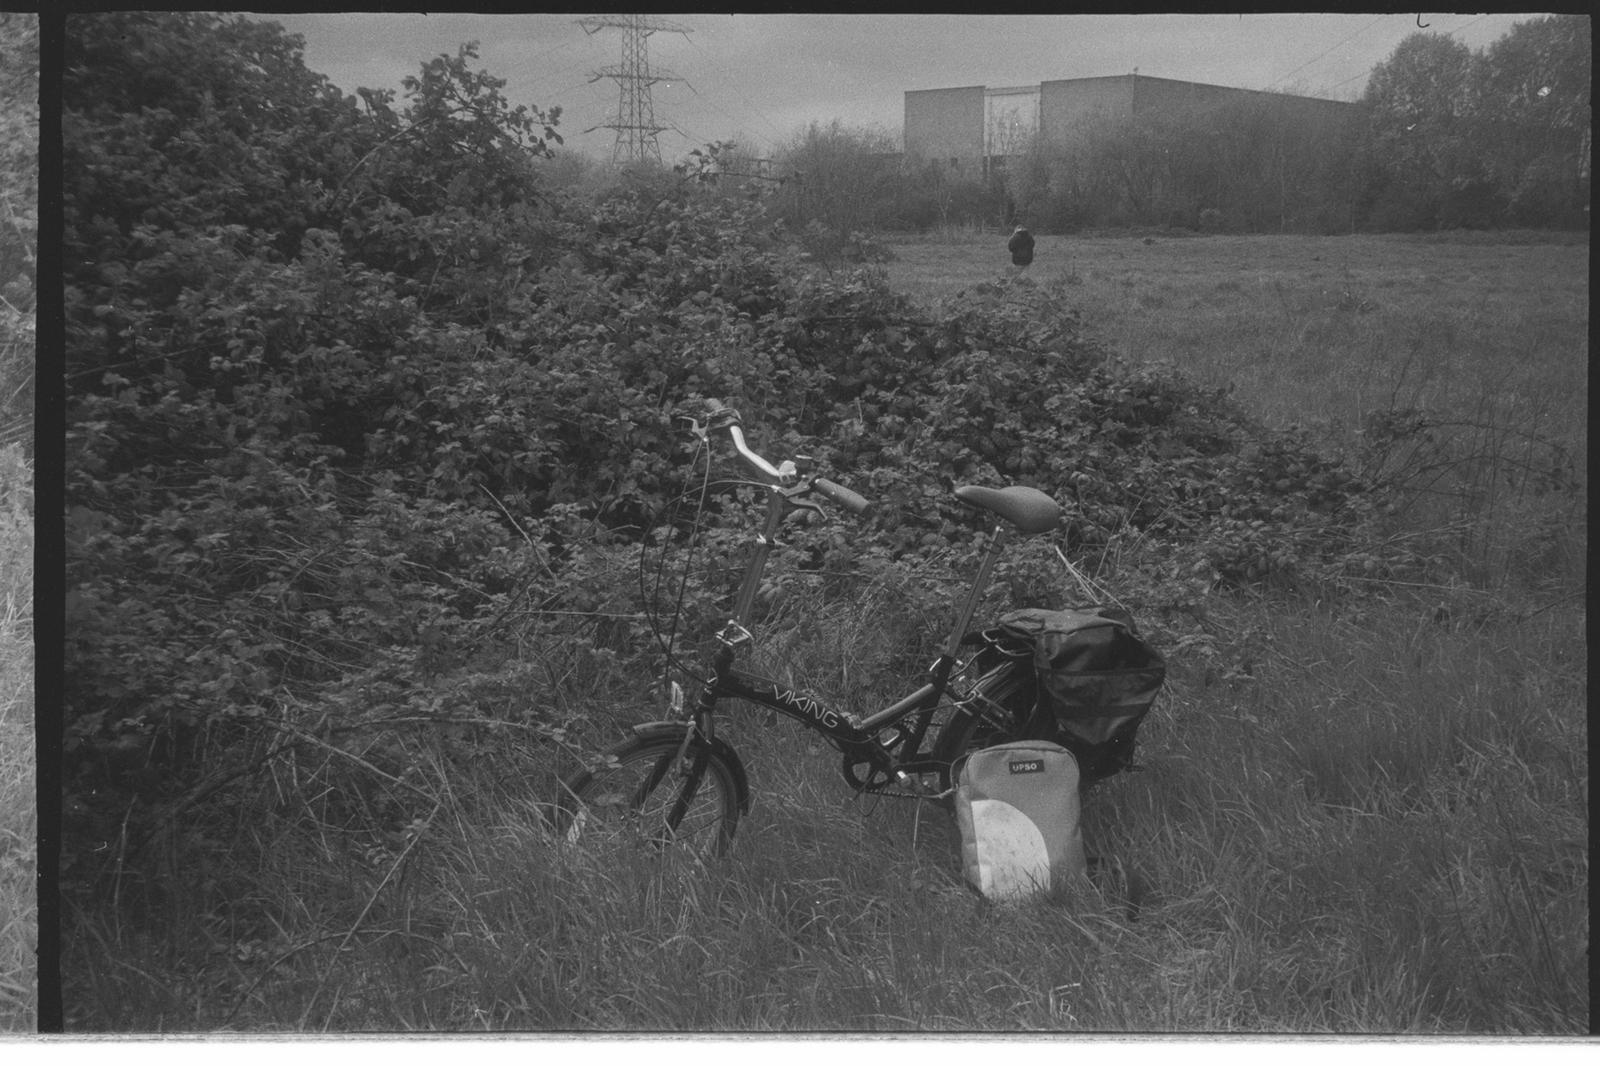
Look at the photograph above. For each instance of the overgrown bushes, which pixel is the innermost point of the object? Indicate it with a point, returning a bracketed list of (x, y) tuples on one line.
[(345, 443)]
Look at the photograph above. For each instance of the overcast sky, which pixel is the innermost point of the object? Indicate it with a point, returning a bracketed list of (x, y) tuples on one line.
[(759, 79)]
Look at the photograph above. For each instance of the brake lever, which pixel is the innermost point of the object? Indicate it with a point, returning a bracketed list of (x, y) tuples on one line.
[(701, 430), (796, 504), (718, 416)]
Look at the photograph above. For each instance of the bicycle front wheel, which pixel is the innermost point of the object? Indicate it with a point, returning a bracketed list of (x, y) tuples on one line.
[(642, 794)]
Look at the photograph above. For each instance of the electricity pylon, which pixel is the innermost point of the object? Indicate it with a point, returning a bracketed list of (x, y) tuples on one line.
[(636, 118)]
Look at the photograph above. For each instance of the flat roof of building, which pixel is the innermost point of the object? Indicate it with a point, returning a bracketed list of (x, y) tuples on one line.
[(1019, 89)]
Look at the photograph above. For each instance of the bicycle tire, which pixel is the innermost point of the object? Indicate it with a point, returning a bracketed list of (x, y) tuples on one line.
[(626, 800)]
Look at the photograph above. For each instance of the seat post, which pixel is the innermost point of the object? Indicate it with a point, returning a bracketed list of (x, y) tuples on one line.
[(979, 584)]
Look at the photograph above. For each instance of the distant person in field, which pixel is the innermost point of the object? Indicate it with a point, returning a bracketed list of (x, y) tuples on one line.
[(1021, 247)]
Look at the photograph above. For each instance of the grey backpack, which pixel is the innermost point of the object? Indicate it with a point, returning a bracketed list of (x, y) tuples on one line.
[(1018, 809)]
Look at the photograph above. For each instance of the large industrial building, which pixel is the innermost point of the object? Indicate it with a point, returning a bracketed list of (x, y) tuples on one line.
[(973, 129)]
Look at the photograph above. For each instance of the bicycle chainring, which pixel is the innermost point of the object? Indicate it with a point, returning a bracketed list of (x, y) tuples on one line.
[(866, 774)]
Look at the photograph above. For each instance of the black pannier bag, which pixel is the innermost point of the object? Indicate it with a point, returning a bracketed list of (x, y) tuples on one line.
[(1082, 678)]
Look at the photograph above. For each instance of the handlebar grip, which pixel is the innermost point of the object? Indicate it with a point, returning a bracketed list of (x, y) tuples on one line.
[(842, 496)]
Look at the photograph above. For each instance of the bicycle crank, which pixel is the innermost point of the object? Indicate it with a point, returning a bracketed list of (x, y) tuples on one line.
[(865, 773)]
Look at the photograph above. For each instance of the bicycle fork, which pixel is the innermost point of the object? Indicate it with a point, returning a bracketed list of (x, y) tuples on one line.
[(694, 751)]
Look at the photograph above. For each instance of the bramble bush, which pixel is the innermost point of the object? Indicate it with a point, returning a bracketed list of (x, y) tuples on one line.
[(363, 417)]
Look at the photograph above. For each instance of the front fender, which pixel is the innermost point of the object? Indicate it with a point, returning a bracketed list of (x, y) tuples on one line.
[(719, 747)]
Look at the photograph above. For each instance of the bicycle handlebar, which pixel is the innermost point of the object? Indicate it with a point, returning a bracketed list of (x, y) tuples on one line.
[(785, 473), (850, 501)]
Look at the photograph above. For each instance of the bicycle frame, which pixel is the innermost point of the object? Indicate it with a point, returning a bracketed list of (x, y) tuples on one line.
[(863, 739)]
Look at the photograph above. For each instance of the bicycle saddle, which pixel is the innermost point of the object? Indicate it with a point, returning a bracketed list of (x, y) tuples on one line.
[(1028, 509)]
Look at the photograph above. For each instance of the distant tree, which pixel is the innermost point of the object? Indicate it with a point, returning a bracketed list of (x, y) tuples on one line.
[(1029, 179), (1424, 134), (1119, 171), (1270, 169), (846, 178), (564, 169), (1501, 135), (1533, 101), (934, 195)]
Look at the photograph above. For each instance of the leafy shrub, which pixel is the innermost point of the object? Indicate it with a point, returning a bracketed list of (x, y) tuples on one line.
[(353, 430)]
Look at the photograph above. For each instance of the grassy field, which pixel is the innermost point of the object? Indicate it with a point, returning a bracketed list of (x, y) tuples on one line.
[(1485, 335), (18, 923), (1364, 817), (1319, 330)]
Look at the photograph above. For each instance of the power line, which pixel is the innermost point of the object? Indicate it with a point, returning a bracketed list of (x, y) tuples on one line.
[(1347, 81), (1319, 55), (756, 111), (730, 116), (1458, 29), (538, 81), (548, 51), (1364, 73)]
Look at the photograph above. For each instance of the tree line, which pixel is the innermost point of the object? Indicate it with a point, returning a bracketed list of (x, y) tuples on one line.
[(1443, 137)]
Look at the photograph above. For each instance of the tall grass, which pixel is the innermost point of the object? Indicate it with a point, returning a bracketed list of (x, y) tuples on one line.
[(1311, 850), (18, 901), (1346, 823)]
